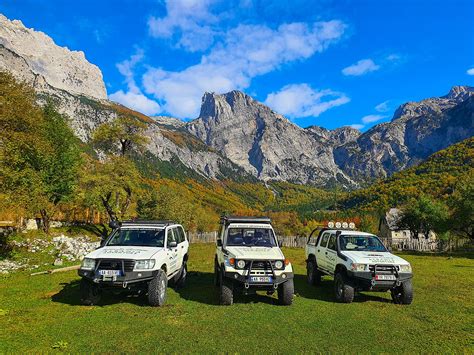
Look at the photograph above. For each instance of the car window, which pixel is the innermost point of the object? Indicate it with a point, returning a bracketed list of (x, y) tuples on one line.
[(138, 237), (313, 237), (324, 240), (171, 237), (258, 237), (332, 242), (180, 234)]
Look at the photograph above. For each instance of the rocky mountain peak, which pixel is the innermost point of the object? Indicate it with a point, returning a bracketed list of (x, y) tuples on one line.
[(33, 56), (460, 93)]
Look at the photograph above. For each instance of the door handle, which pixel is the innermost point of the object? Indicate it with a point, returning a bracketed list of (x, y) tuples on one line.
[(182, 246), (326, 253), (319, 251)]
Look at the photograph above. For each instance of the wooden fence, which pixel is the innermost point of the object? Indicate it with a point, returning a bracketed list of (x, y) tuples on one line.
[(421, 245)]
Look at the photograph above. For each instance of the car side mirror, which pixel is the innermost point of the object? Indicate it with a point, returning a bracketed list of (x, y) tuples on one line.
[(173, 244), (219, 242), (280, 243), (103, 240), (114, 224)]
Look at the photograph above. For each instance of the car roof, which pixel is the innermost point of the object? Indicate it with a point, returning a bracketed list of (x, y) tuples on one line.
[(348, 232), (244, 219), (148, 224)]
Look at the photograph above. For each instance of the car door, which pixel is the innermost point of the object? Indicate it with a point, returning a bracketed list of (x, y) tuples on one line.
[(182, 244), (321, 251), (172, 252), (331, 254)]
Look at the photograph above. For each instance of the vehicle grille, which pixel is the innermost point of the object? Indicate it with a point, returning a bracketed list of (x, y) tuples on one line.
[(112, 264), (384, 269), (261, 265)]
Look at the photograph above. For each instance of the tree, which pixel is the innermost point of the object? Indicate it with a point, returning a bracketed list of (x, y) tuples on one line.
[(120, 136), (112, 184), (39, 153), (423, 215), (462, 207)]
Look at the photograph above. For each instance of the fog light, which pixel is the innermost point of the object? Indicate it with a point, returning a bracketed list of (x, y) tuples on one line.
[(283, 276), (139, 275)]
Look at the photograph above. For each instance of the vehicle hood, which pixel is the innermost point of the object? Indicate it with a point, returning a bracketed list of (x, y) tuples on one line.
[(372, 257), (122, 252), (254, 253)]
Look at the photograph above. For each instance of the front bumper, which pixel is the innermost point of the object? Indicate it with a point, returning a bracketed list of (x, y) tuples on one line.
[(246, 282), (130, 277), (366, 280)]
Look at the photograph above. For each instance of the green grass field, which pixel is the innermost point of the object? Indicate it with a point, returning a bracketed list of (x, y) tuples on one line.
[(42, 314)]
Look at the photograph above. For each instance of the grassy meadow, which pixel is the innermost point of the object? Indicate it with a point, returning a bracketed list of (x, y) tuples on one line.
[(43, 314)]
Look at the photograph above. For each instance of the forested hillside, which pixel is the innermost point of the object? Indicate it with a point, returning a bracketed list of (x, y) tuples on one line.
[(47, 172)]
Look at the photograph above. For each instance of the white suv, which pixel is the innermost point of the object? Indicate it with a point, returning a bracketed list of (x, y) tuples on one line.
[(358, 261), (138, 256), (248, 258)]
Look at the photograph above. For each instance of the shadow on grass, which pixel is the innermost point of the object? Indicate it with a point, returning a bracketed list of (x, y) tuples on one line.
[(325, 291), (200, 288), (70, 294)]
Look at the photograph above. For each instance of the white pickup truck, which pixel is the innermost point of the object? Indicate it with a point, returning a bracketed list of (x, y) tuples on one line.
[(249, 259), (358, 261), (139, 256)]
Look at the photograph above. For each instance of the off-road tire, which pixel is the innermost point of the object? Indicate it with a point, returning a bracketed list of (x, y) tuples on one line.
[(226, 291), (90, 292), (181, 280), (286, 291), (403, 294), (344, 292), (216, 274), (157, 289), (313, 276)]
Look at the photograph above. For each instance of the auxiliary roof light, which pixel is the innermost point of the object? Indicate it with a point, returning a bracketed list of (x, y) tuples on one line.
[(338, 224), (331, 224), (345, 225), (352, 225)]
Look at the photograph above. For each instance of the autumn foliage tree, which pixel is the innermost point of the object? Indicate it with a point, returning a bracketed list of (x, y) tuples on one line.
[(39, 153)]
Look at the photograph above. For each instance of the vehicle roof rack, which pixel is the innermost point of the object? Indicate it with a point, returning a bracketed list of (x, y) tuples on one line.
[(148, 222), (244, 219)]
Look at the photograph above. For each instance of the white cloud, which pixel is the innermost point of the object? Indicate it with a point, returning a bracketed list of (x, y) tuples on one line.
[(188, 20), (362, 67), (470, 71), (383, 107), (372, 118), (357, 126), (240, 55), (300, 100), (134, 98), (136, 101), (393, 57)]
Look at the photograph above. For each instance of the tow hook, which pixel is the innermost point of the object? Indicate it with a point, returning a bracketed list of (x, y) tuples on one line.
[(398, 283), (373, 282), (124, 285), (246, 285), (275, 286)]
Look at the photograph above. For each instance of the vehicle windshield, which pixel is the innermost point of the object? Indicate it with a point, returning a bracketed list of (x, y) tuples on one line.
[(258, 237), (138, 237), (361, 243)]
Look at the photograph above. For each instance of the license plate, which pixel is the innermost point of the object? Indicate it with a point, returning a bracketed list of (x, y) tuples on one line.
[(385, 277), (109, 273), (261, 279)]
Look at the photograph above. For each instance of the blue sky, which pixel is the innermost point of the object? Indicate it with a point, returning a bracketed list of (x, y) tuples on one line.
[(326, 63)]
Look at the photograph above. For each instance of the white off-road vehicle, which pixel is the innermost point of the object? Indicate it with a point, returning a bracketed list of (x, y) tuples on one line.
[(358, 261), (249, 259), (138, 256)]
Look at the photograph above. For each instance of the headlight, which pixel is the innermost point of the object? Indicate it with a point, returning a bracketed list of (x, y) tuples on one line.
[(278, 264), (405, 268), (144, 264), (359, 267), (88, 264), (241, 264)]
